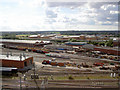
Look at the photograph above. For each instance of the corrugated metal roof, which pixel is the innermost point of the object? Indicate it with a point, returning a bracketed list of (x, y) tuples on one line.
[(76, 43), (23, 41), (89, 46), (117, 49)]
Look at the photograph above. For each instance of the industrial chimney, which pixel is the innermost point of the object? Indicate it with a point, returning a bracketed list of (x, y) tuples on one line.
[(24, 55), (11, 53), (20, 57), (7, 54)]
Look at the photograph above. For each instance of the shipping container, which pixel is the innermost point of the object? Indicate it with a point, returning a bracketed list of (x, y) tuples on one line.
[(61, 64), (98, 64), (53, 63)]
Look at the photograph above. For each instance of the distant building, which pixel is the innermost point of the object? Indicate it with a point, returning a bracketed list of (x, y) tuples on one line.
[(24, 44), (22, 63), (116, 42), (82, 37), (33, 36), (42, 36), (91, 37), (106, 50), (58, 47), (88, 47), (75, 43), (74, 37)]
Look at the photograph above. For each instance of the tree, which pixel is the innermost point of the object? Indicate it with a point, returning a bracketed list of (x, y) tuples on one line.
[(110, 43), (73, 40), (9, 36), (101, 43)]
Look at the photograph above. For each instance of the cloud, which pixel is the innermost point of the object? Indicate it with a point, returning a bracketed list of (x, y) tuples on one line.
[(105, 12), (114, 12), (51, 14), (65, 4), (57, 15)]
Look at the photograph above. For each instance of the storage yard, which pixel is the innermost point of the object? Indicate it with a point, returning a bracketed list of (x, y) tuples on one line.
[(62, 73), (77, 62), (66, 65)]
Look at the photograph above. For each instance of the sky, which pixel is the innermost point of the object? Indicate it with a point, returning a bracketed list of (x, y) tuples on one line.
[(45, 15)]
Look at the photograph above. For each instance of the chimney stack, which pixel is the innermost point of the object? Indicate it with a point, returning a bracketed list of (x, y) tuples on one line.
[(20, 57), (24, 55), (11, 53), (7, 54)]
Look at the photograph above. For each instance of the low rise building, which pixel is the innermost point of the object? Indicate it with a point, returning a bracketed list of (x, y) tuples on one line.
[(116, 42), (88, 47), (106, 50), (58, 47), (75, 43), (28, 45), (22, 63), (33, 36)]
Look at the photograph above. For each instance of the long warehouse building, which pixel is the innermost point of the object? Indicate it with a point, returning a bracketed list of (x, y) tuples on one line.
[(30, 45), (112, 51)]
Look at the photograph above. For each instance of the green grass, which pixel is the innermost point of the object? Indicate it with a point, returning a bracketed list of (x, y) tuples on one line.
[(22, 35), (0, 36), (82, 77), (74, 77)]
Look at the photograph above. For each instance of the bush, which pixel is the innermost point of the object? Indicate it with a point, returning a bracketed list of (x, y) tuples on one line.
[(70, 78), (88, 78), (9, 36)]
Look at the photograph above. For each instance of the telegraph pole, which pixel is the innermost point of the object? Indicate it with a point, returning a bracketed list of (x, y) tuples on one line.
[(20, 84), (20, 75), (34, 70)]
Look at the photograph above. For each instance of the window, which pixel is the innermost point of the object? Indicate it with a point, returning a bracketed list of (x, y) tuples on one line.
[(30, 61), (25, 64)]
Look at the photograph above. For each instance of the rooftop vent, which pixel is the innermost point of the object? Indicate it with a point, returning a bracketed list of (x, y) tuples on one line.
[(20, 57), (7, 55), (10, 53), (24, 55)]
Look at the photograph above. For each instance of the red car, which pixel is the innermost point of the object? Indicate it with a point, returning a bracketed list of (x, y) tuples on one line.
[(46, 62)]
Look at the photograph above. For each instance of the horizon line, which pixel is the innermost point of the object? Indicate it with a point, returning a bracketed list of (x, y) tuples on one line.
[(62, 31)]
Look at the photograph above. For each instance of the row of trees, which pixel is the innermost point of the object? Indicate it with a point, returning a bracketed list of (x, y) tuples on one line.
[(103, 43), (9, 36), (74, 40)]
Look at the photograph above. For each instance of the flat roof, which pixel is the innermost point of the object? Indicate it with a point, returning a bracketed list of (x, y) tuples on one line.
[(23, 41), (6, 68), (74, 36), (75, 42), (15, 58), (110, 48)]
